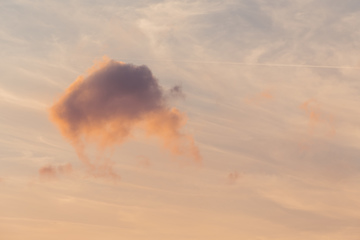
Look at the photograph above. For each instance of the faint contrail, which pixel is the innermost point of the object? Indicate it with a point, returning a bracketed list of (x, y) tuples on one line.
[(245, 64)]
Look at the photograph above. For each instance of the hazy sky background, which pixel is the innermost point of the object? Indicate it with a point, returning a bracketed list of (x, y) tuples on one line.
[(272, 97)]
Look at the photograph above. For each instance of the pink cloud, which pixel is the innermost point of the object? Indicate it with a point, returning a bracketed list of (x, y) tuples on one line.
[(113, 99)]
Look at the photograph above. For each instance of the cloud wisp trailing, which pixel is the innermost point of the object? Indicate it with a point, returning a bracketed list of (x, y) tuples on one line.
[(110, 102), (319, 123), (261, 97), (49, 172), (316, 116)]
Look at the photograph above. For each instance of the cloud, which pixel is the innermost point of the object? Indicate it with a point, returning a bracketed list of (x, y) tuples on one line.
[(23, 102), (261, 97), (53, 172), (144, 162), (317, 117), (233, 177), (113, 99), (320, 123), (177, 92)]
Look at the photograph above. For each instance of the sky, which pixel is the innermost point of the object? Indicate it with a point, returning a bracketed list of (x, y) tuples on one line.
[(198, 120)]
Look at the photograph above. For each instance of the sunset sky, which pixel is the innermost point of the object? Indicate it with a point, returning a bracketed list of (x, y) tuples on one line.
[(174, 120)]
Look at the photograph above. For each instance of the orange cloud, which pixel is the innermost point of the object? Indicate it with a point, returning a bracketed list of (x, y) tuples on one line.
[(316, 116), (260, 97), (113, 99), (53, 172), (318, 121)]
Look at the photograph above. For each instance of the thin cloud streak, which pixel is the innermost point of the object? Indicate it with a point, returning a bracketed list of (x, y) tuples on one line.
[(23, 102), (245, 64)]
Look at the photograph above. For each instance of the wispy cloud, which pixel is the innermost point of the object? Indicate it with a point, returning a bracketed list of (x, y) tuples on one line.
[(221, 52), (51, 172), (13, 99)]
